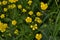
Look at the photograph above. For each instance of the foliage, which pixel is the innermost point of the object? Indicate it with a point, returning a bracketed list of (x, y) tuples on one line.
[(23, 25)]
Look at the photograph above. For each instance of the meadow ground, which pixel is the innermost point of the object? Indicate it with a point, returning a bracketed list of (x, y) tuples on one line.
[(29, 19)]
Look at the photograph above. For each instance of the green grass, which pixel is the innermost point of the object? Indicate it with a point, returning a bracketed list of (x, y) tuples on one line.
[(50, 28)]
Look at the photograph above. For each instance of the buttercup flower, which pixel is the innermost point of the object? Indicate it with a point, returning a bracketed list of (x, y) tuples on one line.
[(19, 6), (38, 13), (24, 10), (11, 6), (28, 20), (2, 16), (16, 32), (5, 9), (34, 27), (13, 1), (14, 22), (44, 6), (37, 19), (29, 2), (3, 27), (38, 36), (30, 13), (4, 2)]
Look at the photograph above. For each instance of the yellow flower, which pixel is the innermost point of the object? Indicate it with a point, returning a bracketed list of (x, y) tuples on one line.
[(30, 13), (37, 19), (13, 1), (44, 6), (5, 9), (19, 6), (0, 3), (3, 27), (2, 16), (24, 10), (38, 36), (4, 2), (11, 6), (29, 2), (16, 32), (14, 22), (28, 20), (34, 27), (38, 14)]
